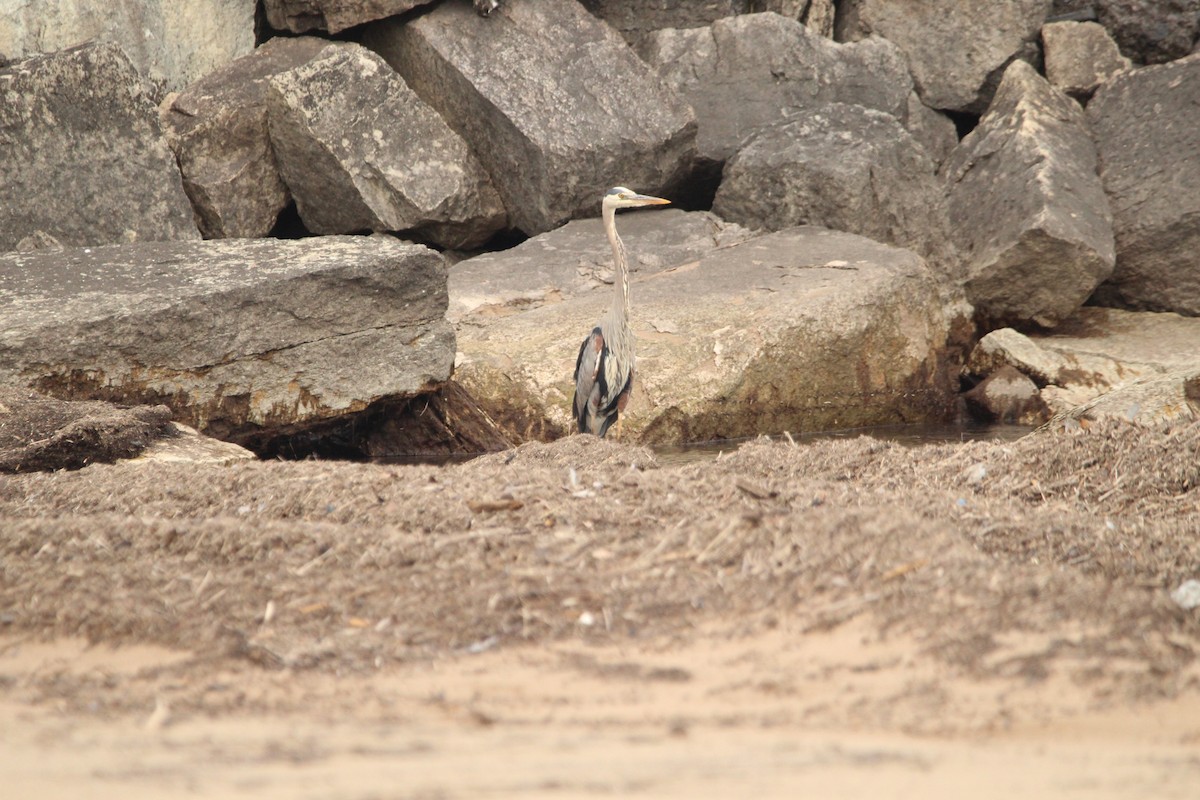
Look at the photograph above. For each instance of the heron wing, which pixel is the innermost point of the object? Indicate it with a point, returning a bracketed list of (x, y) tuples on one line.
[(589, 371)]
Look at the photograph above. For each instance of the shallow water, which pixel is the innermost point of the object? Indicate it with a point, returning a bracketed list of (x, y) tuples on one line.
[(909, 435)]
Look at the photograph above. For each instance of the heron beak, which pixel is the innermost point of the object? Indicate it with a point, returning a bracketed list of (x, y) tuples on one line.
[(647, 200)]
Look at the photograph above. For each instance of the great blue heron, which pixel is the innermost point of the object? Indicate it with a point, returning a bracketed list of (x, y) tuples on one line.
[(604, 369)]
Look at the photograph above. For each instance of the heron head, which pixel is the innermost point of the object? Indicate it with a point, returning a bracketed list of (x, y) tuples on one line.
[(620, 197)]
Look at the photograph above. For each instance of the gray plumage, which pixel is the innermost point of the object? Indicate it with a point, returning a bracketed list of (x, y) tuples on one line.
[(605, 367)]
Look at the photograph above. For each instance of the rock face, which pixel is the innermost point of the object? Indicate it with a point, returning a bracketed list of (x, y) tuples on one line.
[(1027, 210), (236, 336), (170, 43), (1080, 56), (804, 329), (639, 19), (360, 151), (218, 130), (933, 130), (1148, 31), (576, 259), (299, 16), (952, 46), (84, 155), (767, 67), (550, 98), (1144, 121), (840, 166), (817, 15)]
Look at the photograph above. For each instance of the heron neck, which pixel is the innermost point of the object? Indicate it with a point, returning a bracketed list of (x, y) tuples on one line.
[(620, 266)]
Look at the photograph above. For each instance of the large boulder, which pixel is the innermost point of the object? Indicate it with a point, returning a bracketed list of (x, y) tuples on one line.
[(747, 71), (236, 336), (171, 43), (839, 166), (953, 46), (84, 155), (551, 99), (360, 151), (1026, 207), (1080, 56), (1147, 31), (218, 129), (577, 259), (1146, 125), (804, 329), (299, 16)]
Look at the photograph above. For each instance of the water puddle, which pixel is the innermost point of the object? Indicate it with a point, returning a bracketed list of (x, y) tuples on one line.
[(907, 435)]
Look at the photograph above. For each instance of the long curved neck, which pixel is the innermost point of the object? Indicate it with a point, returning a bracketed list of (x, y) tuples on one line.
[(620, 267)]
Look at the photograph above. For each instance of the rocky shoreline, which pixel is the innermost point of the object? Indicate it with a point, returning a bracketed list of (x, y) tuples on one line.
[(1008, 159)]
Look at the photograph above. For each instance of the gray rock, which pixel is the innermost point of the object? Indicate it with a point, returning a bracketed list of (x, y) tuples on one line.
[(1080, 56), (1094, 352), (1149, 400), (1026, 207), (236, 336), (299, 16), (817, 15), (804, 329), (218, 130), (576, 259), (85, 159), (360, 151), (1007, 396), (839, 166), (639, 19), (952, 46), (1148, 31), (933, 130), (1146, 125), (744, 72), (550, 98), (171, 43), (1187, 594)]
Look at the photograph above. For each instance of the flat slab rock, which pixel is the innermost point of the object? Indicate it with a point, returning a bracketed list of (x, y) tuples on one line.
[(804, 329), (1099, 352), (236, 336), (576, 259)]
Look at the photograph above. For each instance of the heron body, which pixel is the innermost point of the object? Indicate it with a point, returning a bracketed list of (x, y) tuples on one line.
[(605, 367)]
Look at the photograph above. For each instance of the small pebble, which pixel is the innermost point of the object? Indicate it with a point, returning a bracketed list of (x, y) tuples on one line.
[(1188, 594)]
